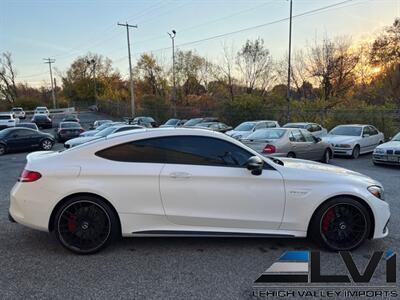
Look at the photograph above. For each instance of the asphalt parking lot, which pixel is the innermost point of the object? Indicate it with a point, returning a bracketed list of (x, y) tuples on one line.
[(34, 265)]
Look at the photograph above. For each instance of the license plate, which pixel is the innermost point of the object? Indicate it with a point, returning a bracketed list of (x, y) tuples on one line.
[(393, 158)]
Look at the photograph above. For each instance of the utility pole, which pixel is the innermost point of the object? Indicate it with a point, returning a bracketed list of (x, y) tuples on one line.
[(289, 62), (130, 65), (93, 62), (172, 36), (51, 61)]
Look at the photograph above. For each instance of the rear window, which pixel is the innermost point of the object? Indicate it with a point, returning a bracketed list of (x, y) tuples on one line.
[(17, 109), (267, 134), (40, 117), (293, 125), (70, 125), (5, 117)]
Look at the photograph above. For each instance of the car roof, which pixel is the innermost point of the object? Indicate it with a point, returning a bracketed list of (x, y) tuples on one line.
[(360, 125)]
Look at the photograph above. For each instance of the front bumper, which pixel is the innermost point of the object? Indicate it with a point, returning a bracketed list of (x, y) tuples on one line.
[(386, 159), (342, 151), (381, 214)]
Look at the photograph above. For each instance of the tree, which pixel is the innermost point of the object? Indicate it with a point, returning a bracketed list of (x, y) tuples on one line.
[(152, 75), (255, 65), (225, 70), (385, 49), (8, 87)]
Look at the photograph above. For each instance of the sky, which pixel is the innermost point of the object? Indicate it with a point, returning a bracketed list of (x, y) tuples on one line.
[(65, 29)]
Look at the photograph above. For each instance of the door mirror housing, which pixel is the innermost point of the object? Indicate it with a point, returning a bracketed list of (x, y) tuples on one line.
[(317, 139), (255, 164), (365, 135)]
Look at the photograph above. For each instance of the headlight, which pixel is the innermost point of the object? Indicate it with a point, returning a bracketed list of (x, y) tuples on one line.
[(238, 137), (377, 191), (379, 150), (344, 146)]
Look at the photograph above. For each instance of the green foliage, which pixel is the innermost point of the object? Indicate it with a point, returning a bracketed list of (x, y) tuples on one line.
[(155, 107)]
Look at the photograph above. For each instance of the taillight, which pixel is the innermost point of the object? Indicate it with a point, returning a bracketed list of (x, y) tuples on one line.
[(269, 149), (81, 130), (29, 176), (61, 131)]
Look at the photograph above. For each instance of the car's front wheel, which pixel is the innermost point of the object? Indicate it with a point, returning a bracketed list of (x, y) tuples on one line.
[(327, 156), (356, 152), (85, 225), (2, 149), (340, 224)]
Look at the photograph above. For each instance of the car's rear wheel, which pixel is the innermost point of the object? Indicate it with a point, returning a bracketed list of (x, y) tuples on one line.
[(85, 225), (327, 156), (46, 144), (2, 149), (291, 155), (356, 152), (341, 224)]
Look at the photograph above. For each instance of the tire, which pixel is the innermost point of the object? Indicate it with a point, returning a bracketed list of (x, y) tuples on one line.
[(85, 225), (46, 144), (291, 155), (333, 226), (2, 149), (327, 156), (356, 152)]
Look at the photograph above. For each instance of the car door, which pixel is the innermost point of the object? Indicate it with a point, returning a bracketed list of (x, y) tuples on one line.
[(375, 138), (205, 183), (367, 140), (19, 139), (300, 146), (314, 151)]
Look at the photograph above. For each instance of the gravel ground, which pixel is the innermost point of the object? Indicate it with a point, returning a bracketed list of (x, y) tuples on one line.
[(34, 265)]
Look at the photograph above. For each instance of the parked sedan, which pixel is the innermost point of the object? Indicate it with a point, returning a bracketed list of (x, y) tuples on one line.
[(195, 121), (144, 121), (27, 125), (316, 129), (42, 121), (99, 128), (289, 142), (192, 182), (8, 120), (97, 123), (17, 139), (173, 123), (68, 130), (388, 153), (41, 110), (18, 112), (214, 126), (353, 140), (101, 134), (246, 128)]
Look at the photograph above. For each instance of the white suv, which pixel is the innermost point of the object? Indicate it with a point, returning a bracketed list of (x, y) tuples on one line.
[(8, 120), (41, 110), (18, 112)]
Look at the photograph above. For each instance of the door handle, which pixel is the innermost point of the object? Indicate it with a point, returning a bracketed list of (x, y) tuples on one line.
[(180, 175)]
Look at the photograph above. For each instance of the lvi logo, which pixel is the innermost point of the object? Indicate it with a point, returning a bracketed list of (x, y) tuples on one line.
[(305, 267)]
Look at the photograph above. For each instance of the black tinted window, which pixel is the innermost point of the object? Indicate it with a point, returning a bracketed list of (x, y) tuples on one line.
[(192, 150), (23, 132)]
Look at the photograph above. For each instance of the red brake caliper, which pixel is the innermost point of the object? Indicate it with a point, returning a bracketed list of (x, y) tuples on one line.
[(329, 216), (72, 222)]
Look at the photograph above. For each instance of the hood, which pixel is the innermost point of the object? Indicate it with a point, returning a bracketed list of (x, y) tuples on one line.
[(89, 133), (391, 145), (339, 139), (320, 170), (81, 140)]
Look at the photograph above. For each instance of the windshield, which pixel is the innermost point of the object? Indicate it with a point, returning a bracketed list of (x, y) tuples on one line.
[(172, 122), (69, 125), (106, 131), (396, 138), (246, 126), (346, 130), (103, 126), (17, 109), (267, 134), (5, 117), (294, 125), (193, 122)]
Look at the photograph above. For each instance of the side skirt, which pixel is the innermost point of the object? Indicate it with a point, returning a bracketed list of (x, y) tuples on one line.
[(207, 234)]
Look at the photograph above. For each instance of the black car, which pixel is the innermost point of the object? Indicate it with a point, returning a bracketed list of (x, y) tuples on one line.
[(195, 121), (42, 121), (27, 125), (70, 118), (68, 130), (17, 139)]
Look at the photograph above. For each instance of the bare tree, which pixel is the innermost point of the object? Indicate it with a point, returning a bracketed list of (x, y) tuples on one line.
[(255, 65), (8, 88), (225, 69)]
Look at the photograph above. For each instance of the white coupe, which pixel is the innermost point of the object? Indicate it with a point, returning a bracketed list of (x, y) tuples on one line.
[(353, 140), (189, 182), (388, 153)]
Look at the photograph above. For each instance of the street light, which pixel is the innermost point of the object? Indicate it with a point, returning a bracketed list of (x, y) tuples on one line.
[(172, 36)]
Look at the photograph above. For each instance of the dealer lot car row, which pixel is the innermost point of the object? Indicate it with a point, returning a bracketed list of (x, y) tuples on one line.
[(152, 182)]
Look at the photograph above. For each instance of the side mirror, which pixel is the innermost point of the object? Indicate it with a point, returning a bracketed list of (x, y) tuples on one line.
[(255, 165), (317, 139), (365, 135)]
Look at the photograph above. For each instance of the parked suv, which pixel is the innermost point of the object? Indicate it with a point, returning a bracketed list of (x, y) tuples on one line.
[(18, 112), (8, 120), (42, 110)]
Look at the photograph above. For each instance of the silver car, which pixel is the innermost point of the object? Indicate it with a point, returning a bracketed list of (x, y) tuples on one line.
[(289, 142), (244, 129), (314, 128), (388, 153)]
